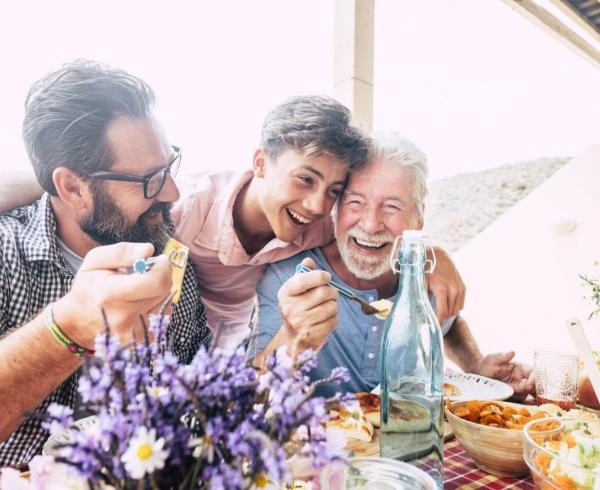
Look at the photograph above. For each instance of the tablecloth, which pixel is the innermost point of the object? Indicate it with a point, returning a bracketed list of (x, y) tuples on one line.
[(460, 472)]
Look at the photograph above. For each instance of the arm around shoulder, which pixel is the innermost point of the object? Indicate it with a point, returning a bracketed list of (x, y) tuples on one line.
[(446, 285), (18, 189)]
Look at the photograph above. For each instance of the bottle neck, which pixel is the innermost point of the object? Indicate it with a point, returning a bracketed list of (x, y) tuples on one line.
[(412, 268)]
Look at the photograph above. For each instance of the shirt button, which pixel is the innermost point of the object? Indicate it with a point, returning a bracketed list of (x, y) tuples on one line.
[(181, 340), (371, 298), (371, 355), (374, 328)]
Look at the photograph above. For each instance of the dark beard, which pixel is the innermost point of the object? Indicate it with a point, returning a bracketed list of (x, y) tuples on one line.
[(106, 224)]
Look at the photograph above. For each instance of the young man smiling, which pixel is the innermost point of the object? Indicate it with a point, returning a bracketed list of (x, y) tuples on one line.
[(236, 223), (302, 311)]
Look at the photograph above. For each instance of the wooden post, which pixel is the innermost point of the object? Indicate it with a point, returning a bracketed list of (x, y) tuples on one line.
[(354, 40)]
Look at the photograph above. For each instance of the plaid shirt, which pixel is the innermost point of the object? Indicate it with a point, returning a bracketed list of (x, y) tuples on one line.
[(33, 274)]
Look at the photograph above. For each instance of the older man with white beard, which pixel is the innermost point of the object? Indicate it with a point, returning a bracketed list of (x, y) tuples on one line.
[(380, 202)]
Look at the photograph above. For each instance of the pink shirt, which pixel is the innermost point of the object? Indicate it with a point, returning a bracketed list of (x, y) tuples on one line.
[(226, 273)]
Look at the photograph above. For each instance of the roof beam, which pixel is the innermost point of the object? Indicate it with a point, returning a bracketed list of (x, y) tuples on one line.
[(570, 11), (558, 29)]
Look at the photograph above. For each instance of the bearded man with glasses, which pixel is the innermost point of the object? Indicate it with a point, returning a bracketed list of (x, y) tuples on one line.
[(106, 167)]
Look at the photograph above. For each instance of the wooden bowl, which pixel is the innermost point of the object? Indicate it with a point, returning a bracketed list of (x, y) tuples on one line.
[(495, 450)]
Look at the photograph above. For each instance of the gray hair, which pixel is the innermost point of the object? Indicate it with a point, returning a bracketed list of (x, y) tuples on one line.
[(393, 147), (315, 125), (67, 114)]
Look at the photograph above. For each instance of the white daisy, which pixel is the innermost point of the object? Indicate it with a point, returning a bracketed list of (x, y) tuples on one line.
[(145, 454)]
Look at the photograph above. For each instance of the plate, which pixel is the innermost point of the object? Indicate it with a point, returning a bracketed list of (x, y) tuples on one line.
[(87, 424), (473, 387), (476, 387)]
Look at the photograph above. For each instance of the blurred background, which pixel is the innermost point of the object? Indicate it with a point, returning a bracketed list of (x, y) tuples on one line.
[(472, 82)]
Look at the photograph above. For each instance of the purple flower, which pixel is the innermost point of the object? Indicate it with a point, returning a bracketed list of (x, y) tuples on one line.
[(215, 418), (339, 375), (59, 419)]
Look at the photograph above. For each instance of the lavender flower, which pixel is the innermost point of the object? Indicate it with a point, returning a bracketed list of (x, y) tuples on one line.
[(59, 418), (212, 424)]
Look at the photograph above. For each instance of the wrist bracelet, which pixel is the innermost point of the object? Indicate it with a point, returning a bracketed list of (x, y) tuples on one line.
[(61, 338)]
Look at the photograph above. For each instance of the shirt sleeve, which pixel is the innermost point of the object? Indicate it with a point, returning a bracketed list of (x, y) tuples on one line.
[(269, 319), (446, 325)]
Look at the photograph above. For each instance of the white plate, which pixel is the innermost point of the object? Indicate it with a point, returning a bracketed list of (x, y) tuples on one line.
[(473, 387), (87, 424)]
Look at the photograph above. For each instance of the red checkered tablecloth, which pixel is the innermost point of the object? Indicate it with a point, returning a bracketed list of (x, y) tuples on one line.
[(461, 472)]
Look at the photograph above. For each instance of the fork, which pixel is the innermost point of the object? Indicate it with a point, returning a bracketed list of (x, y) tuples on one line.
[(365, 307), (177, 258)]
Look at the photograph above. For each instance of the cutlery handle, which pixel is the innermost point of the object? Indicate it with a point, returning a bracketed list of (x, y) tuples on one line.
[(343, 291)]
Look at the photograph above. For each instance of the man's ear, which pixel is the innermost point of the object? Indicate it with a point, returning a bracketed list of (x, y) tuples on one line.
[(259, 162), (72, 189)]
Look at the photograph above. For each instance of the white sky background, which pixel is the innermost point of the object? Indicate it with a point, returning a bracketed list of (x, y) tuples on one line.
[(471, 81)]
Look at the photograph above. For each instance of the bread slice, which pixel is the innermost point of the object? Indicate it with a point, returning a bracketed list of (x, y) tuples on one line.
[(450, 390)]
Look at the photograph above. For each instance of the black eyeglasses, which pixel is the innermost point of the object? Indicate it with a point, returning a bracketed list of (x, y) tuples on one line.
[(153, 182)]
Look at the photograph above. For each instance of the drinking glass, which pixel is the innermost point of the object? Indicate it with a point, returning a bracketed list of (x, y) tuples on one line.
[(375, 474), (556, 378)]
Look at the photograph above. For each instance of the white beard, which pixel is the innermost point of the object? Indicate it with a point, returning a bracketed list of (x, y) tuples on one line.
[(362, 267)]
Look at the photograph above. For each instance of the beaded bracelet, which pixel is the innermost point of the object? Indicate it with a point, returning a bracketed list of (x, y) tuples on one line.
[(61, 338)]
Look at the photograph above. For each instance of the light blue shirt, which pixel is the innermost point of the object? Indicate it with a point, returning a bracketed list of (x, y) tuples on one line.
[(354, 344)]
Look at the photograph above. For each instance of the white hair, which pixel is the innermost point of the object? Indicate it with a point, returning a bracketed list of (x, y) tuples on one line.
[(393, 147)]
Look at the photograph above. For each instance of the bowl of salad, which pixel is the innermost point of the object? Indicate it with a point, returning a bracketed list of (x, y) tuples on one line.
[(568, 458)]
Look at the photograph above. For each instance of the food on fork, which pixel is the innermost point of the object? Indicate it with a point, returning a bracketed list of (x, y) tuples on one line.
[(384, 306), (177, 253)]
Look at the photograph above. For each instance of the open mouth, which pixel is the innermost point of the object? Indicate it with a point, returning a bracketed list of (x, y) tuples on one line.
[(154, 218), (369, 245), (298, 219)]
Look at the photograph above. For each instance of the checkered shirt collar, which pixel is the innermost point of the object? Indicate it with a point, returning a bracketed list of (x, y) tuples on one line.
[(39, 241)]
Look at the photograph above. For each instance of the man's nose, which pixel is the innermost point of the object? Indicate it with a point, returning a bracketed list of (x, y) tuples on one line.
[(169, 192), (315, 203), (370, 221)]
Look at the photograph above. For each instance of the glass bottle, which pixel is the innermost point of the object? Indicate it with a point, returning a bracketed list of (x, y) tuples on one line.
[(412, 368)]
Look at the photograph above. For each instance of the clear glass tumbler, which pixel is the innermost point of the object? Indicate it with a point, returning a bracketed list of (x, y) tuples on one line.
[(556, 378), (375, 474)]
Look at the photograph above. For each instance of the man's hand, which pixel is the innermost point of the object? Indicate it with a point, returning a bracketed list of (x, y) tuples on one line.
[(124, 297), (500, 366), (447, 286), (309, 307)]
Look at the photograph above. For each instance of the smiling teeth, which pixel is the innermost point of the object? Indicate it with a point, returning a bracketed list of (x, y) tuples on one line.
[(365, 243), (299, 218)]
